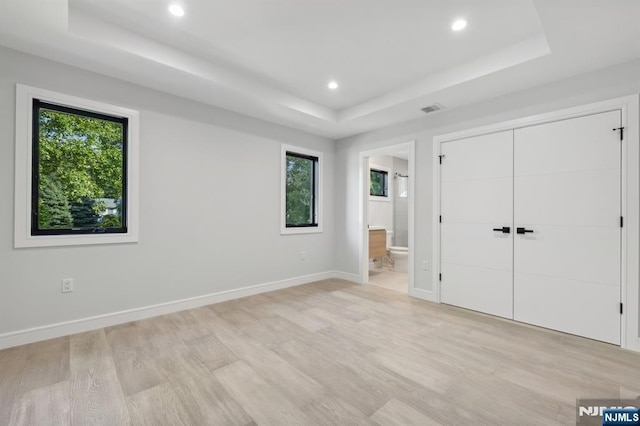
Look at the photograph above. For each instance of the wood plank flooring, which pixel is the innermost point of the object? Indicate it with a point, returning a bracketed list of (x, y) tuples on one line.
[(327, 353), (389, 279)]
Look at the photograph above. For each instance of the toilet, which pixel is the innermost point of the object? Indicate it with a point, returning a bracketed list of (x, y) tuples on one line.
[(400, 256)]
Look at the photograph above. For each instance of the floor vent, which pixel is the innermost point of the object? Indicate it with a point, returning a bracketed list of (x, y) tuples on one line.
[(432, 108)]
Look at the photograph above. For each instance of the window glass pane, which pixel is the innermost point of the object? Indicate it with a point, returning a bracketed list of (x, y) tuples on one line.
[(378, 185), (300, 190), (80, 171)]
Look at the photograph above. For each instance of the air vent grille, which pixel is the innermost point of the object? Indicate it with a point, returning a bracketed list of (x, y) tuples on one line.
[(432, 108)]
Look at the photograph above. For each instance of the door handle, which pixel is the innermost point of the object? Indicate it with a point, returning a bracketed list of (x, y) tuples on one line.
[(524, 231), (504, 229)]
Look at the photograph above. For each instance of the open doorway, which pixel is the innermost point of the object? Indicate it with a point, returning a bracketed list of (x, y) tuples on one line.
[(387, 217)]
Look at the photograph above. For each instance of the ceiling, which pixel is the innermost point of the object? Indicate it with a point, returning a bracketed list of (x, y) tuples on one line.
[(272, 59)]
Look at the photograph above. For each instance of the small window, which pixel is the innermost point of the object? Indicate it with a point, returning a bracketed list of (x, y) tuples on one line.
[(379, 185), (79, 173), (301, 190), (76, 170)]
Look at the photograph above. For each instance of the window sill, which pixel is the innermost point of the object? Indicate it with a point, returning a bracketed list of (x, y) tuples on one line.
[(301, 230), (379, 199), (74, 240)]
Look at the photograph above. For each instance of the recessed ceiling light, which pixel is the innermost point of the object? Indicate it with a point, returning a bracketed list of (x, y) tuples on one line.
[(332, 85), (176, 10), (459, 24)]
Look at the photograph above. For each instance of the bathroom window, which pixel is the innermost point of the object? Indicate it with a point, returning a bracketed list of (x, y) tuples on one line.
[(74, 180), (379, 183), (301, 180)]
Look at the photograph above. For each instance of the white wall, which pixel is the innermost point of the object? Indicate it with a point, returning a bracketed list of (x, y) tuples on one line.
[(605, 84), (210, 196), (209, 215), (400, 205)]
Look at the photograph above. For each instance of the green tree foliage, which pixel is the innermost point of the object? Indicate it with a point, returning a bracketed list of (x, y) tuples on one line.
[(110, 221), (84, 213), (53, 207), (377, 183), (85, 156), (299, 191)]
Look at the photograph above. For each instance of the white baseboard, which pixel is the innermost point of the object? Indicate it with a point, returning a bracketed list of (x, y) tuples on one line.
[(423, 294), (347, 276), (36, 334)]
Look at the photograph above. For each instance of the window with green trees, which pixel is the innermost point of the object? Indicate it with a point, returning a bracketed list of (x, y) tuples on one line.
[(301, 190), (79, 171), (379, 183)]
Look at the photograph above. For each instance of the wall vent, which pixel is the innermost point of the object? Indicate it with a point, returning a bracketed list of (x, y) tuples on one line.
[(432, 108)]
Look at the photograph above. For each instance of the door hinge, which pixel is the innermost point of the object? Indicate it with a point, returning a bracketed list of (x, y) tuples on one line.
[(439, 277), (621, 309), (441, 156), (621, 132), (621, 221), (440, 218)]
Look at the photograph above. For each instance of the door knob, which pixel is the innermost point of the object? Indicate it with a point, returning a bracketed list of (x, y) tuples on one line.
[(524, 231), (504, 229)]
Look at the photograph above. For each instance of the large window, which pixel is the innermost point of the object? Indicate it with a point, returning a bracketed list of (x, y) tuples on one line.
[(79, 171), (76, 170), (379, 183), (301, 190)]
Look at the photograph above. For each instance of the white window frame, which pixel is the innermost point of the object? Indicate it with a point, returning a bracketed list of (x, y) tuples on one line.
[(283, 191), (23, 173)]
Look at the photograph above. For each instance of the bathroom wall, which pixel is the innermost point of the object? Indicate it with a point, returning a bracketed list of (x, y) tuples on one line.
[(400, 205)]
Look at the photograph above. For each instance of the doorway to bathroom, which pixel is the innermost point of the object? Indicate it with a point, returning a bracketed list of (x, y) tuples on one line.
[(387, 219)]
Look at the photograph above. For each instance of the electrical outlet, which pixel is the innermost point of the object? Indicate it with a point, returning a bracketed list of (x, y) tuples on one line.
[(425, 265), (303, 255), (67, 285)]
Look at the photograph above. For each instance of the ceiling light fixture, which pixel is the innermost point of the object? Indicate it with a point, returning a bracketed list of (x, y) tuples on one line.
[(459, 24), (332, 85), (176, 10)]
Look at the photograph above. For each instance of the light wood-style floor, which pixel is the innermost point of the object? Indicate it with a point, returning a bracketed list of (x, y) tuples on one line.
[(391, 280), (326, 353)]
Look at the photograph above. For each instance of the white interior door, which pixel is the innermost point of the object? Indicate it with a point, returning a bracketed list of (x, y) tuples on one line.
[(476, 198), (567, 193)]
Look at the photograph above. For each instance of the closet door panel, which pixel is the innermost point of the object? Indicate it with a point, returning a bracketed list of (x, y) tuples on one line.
[(578, 144), (467, 159), (567, 193), (476, 196), (476, 246), (480, 289), (569, 198), (589, 255), (570, 308), (478, 201)]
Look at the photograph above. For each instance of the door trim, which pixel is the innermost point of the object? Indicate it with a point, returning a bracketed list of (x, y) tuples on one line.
[(363, 160), (630, 198)]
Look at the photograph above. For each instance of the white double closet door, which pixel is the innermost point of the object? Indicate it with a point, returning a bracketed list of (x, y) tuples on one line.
[(530, 225)]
